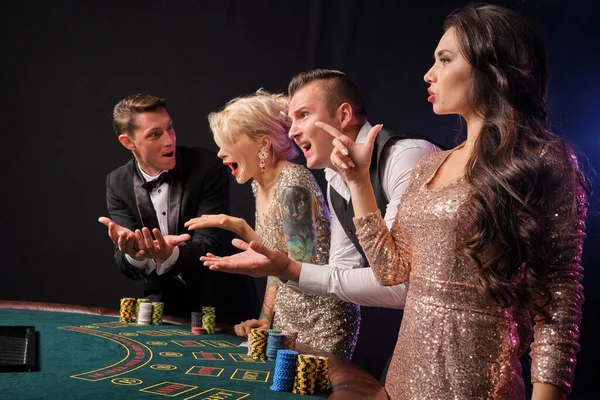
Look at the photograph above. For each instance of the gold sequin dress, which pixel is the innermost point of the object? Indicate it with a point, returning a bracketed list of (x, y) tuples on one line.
[(454, 343), (321, 322)]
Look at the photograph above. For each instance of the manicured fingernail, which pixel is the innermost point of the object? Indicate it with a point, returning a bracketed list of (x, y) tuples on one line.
[(344, 166), (352, 164), (344, 151)]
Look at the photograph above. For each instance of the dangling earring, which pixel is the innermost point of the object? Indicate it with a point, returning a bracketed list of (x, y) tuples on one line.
[(263, 156)]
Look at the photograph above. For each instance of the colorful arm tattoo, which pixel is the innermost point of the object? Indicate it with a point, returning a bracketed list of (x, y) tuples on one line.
[(298, 210), (269, 302)]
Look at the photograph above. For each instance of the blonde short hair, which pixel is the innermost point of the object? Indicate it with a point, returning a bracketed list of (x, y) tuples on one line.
[(255, 115)]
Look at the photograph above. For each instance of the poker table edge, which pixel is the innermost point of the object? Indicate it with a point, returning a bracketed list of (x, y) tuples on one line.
[(56, 307), (348, 380)]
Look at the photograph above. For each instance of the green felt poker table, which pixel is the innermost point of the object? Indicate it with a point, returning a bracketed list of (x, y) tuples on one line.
[(86, 353)]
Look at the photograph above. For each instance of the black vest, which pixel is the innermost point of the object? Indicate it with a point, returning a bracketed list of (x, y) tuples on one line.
[(344, 210)]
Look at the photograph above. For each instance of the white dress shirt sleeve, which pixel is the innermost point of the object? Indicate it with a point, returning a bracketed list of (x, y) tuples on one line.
[(401, 158), (145, 266), (342, 278), (167, 265)]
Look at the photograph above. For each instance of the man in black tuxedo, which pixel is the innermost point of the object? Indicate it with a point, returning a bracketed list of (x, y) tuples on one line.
[(149, 199)]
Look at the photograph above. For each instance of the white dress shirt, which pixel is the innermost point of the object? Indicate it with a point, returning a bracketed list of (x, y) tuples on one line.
[(160, 201), (343, 278)]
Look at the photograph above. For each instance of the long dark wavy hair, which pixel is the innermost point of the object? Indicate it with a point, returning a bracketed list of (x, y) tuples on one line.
[(507, 238)]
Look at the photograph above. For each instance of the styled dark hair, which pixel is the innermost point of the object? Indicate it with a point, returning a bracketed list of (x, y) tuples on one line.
[(512, 163), (125, 111), (338, 87)]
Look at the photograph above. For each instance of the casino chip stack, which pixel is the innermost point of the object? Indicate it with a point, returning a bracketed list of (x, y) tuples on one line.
[(322, 373), (137, 306), (208, 319), (269, 332), (197, 322), (258, 344), (275, 342), (126, 311), (306, 370), (289, 342), (285, 371), (145, 315), (157, 312)]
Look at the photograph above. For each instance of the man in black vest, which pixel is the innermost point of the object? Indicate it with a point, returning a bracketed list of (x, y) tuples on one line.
[(149, 199), (331, 97)]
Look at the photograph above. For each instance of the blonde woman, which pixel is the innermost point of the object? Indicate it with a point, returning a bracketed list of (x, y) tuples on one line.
[(291, 216)]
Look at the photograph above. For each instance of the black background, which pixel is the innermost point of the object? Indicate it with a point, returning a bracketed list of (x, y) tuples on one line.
[(65, 64)]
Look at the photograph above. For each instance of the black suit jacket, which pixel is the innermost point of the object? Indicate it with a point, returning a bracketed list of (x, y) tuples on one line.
[(201, 186)]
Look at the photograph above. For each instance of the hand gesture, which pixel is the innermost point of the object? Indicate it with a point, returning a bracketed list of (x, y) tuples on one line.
[(351, 159), (162, 247), (233, 224), (243, 329), (256, 260), (125, 239)]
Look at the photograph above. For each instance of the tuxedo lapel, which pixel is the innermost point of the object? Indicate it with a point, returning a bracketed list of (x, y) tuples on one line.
[(125, 188), (175, 193)]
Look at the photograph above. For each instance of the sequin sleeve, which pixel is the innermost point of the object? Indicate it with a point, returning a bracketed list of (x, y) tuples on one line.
[(555, 341), (387, 251)]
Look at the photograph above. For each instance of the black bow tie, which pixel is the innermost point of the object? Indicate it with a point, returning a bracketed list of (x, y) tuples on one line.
[(165, 177)]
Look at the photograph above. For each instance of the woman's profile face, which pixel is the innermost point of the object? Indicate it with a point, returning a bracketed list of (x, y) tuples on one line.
[(449, 78), (240, 153)]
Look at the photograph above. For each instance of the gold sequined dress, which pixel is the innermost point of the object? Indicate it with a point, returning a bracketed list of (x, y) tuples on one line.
[(454, 343), (321, 322)]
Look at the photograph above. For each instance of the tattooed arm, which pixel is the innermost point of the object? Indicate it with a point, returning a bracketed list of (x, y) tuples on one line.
[(298, 209), (265, 319), (266, 314)]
